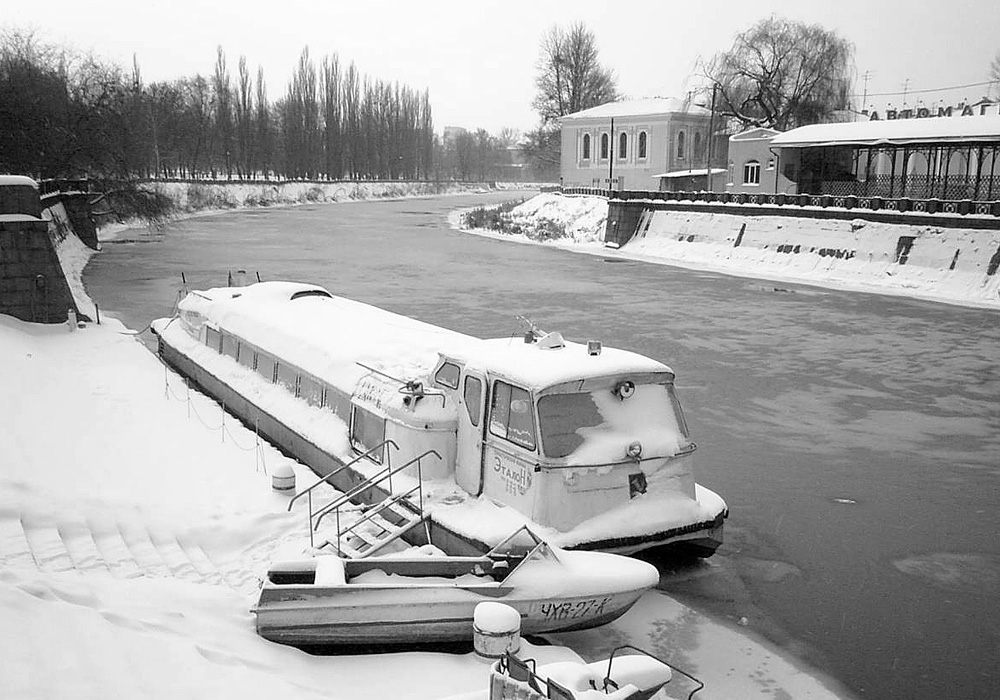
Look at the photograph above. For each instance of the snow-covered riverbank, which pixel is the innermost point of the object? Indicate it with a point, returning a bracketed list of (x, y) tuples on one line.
[(135, 520), (852, 255)]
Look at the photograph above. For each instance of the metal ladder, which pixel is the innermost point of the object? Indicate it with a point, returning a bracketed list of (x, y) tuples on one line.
[(382, 522)]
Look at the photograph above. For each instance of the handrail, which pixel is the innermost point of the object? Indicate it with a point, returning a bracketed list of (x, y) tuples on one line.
[(341, 468), (378, 478), (382, 505)]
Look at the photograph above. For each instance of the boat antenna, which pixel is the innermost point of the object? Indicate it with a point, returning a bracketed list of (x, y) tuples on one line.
[(532, 327)]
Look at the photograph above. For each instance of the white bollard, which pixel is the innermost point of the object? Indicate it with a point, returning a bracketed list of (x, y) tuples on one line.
[(283, 478), (71, 319), (496, 629)]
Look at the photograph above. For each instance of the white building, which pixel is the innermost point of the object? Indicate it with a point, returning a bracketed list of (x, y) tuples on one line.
[(627, 145)]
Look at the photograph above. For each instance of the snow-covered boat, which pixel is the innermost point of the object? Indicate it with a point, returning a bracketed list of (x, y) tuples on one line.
[(587, 443), (330, 600), (629, 673)]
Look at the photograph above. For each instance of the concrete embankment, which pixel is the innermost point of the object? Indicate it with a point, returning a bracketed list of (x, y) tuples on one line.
[(947, 258)]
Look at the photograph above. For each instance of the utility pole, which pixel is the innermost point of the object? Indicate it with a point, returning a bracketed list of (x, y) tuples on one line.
[(611, 157), (711, 138), (906, 88), (864, 99)]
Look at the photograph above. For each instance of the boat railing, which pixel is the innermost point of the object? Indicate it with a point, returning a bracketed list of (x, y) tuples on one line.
[(608, 682), (382, 475), (326, 479)]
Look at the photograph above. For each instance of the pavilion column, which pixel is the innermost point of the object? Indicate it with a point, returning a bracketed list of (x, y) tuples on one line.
[(892, 173), (868, 170), (947, 170), (979, 171)]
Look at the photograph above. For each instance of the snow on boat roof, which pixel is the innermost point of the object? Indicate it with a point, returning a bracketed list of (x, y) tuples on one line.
[(328, 335), (22, 180), (893, 131)]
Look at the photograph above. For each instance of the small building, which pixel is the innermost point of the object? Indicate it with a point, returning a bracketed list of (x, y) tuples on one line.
[(630, 144), (753, 164), (934, 157)]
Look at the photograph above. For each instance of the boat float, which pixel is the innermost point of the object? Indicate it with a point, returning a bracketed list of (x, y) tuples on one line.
[(470, 438)]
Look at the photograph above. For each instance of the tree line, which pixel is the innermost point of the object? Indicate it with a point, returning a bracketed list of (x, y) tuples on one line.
[(69, 115)]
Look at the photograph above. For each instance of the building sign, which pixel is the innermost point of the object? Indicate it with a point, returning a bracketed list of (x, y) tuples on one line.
[(964, 110)]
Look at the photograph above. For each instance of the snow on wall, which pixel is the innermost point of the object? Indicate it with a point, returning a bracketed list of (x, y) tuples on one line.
[(831, 252), (850, 254)]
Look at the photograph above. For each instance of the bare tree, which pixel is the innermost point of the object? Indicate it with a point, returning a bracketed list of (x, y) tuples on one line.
[(995, 74), (569, 75), (782, 74)]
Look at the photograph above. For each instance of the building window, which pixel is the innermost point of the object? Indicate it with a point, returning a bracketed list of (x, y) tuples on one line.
[(642, 145), (697, 146), (604, 146), (622, 146), (680, 145), (732, 172), (770, 163), (586, 147), (751, 172)]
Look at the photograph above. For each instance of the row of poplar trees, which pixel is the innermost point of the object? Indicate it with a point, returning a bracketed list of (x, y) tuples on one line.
[(64, 115)]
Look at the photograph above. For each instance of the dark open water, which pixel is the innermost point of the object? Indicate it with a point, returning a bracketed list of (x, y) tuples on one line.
[(855, 437)]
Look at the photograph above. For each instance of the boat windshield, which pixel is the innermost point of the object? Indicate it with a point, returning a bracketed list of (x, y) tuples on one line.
[(520, 546), (596, 426)]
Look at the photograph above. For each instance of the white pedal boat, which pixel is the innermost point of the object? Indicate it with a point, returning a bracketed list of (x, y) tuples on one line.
[(326, 600)]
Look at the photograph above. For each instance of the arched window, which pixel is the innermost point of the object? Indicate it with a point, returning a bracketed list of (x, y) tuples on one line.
[(604, 146), (697, 145), (751, 172), (622, 146), (642, 145), (586, 147), (680, 145)]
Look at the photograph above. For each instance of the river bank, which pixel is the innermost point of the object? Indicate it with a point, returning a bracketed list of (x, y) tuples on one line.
[(940, 264), (132, 412)]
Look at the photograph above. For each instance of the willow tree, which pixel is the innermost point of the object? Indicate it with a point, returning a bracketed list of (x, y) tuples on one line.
[(783, 74)]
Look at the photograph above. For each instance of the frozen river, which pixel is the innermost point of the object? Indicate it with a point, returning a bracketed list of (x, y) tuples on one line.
[(856, 437)]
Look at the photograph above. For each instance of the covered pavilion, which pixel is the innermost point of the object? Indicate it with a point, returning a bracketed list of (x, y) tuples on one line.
[(946, 158)]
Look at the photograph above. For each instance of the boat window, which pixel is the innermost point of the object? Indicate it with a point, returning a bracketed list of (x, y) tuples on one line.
[(511, 415), (248, 357), (312, 293), (367, 431), (311, 390), (288, 377), (597, 425), (561, 416), (213, 339), (473, 398), (448, 375), (266, 366), (230, 346)]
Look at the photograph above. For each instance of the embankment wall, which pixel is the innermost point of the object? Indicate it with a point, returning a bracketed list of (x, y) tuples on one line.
[(943, 261)]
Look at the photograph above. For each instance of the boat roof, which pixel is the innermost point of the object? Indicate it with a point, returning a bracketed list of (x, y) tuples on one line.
[(329, 335)]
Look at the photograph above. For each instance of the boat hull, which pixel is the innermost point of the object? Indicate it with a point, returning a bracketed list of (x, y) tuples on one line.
[(335, 616)]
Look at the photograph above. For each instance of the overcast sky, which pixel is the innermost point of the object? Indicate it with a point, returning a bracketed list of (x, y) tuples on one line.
[(478, 57)]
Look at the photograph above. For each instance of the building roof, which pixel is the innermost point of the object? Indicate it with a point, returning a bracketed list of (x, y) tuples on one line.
[(17, 181), (697, 172), (893, 131), (755, 134), (646, 107)]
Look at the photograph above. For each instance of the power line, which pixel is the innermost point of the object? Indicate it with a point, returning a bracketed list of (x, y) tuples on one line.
[(920, 92)]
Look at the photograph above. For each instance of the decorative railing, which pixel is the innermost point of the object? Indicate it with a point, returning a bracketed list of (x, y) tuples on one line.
[(841, 201)]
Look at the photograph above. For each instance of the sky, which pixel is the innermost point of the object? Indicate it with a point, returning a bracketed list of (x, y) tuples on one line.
[(477, 59)]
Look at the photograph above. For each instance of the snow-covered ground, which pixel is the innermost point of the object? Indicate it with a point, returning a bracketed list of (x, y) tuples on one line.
[(136, 520), (705, 241)]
